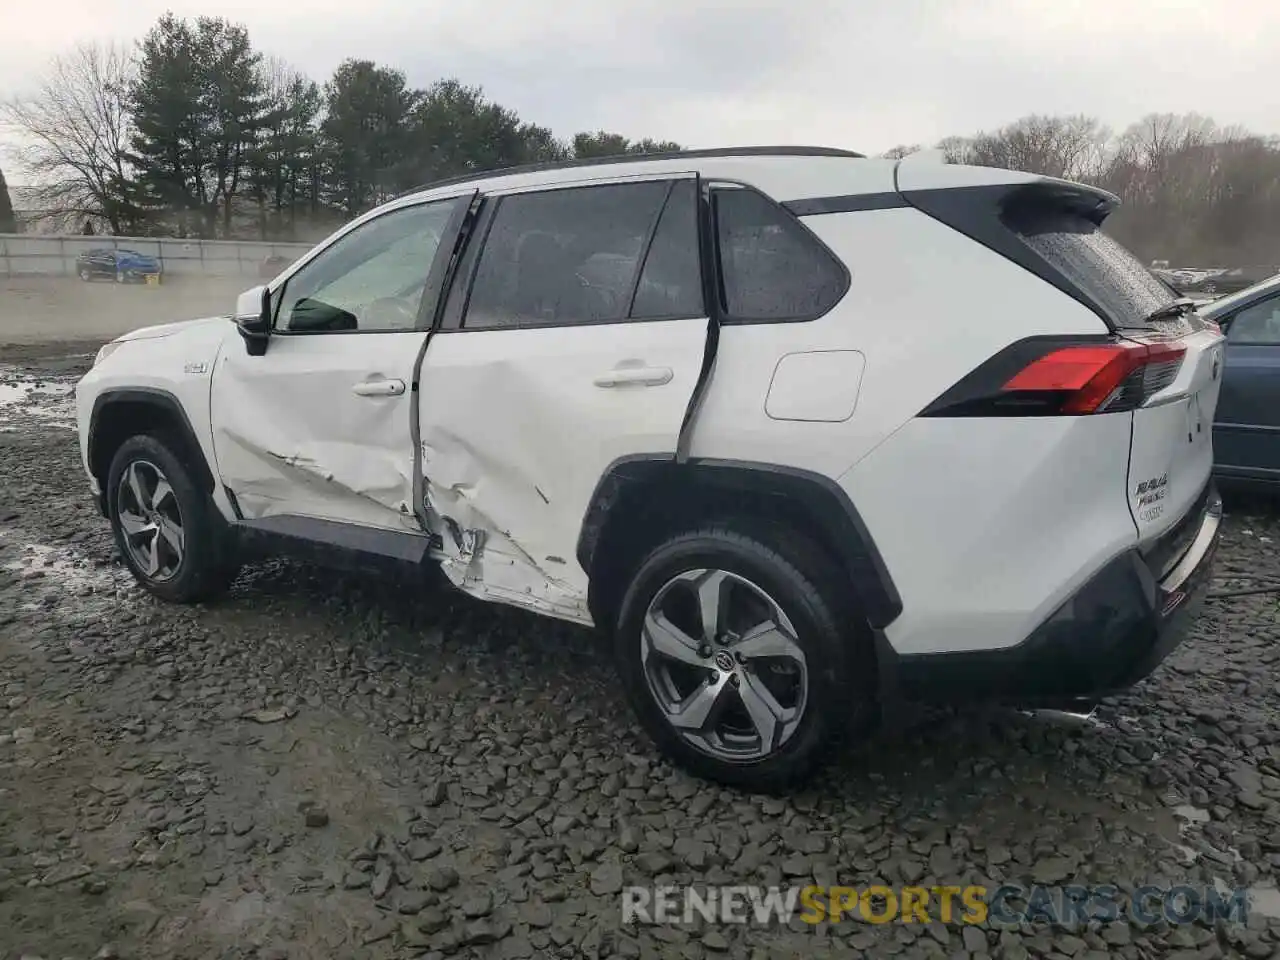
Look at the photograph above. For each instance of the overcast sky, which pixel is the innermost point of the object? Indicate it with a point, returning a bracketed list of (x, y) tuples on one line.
[(849, 73)]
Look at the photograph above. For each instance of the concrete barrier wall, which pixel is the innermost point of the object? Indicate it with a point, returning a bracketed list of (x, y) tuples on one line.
[(24, 254)]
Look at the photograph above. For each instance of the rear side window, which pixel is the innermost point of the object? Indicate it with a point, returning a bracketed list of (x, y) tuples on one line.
[(1103, 269), (771, 267), (564, 256)]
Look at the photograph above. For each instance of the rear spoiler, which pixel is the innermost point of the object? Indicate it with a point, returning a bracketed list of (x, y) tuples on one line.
[(989, 213), (1091, 203)]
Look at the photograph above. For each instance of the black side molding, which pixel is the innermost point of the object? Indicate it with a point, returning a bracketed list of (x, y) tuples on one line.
[(328, 540), (852, 203)]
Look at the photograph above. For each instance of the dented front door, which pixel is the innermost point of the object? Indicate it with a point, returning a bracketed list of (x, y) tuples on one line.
[(320, 425), (575, 337)]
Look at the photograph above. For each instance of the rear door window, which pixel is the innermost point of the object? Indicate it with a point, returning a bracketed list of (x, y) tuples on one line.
[(564, 256), (670, 284), (771, 267)]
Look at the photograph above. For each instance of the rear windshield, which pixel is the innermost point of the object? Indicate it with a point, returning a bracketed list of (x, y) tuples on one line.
[(1103, 269)]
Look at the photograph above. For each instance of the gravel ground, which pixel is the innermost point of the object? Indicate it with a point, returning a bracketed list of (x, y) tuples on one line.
[(324, 765)]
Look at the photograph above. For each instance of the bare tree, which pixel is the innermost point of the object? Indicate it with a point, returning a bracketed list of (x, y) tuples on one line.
[(956, 149), (75, 127), (1158, 137), (1072, 147), (901, 150)]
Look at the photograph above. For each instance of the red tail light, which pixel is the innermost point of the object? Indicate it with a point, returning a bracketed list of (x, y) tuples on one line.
[(1101, 378), (1057, 376)]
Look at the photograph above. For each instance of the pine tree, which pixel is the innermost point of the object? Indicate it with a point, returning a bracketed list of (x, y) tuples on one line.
[(198, 105), (365, 133), (280, 164)]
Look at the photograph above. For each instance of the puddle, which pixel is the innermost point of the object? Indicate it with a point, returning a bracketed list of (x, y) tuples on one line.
[(46, 566), (1265, 901), (11, 393), (50, 402), (1064, 717), (1191, 814), (1188, 816), (1189, 855)]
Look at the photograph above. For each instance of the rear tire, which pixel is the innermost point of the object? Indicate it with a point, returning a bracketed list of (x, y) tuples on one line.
[(170, 534), (782, 664)]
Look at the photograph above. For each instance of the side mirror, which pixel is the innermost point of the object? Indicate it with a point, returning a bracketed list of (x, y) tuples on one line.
[(253, 319)]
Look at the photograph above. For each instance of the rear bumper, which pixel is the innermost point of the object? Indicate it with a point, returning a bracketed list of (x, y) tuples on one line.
[(1112, 633)]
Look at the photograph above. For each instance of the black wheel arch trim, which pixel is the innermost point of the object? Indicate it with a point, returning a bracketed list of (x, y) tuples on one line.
[(163, 400), (823, 497)]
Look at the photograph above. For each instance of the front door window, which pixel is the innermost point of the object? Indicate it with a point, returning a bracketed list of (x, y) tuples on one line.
[(371, 280)]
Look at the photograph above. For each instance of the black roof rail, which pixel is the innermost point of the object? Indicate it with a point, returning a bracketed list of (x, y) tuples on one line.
[(635, 158)]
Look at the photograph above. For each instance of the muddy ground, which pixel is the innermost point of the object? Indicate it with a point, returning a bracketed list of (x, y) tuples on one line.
[(323, 765)]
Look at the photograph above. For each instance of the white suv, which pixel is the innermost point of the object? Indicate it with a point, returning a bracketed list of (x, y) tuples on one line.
[(801, 431)]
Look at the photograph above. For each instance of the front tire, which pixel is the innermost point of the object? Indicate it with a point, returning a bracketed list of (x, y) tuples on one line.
[(167, 529), (736, 650), (85, 274)]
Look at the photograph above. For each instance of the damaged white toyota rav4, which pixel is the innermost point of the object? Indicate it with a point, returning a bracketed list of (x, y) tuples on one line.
[(801, 431)]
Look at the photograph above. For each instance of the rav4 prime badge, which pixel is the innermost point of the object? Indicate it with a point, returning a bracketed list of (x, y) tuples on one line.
[(1149, 493)]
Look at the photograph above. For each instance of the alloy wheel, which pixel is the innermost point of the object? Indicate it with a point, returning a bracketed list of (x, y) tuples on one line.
[(723, 664), (151, 521)]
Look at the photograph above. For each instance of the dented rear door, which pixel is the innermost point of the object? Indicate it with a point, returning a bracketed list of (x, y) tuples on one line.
[(320, 425), (575, 334)]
